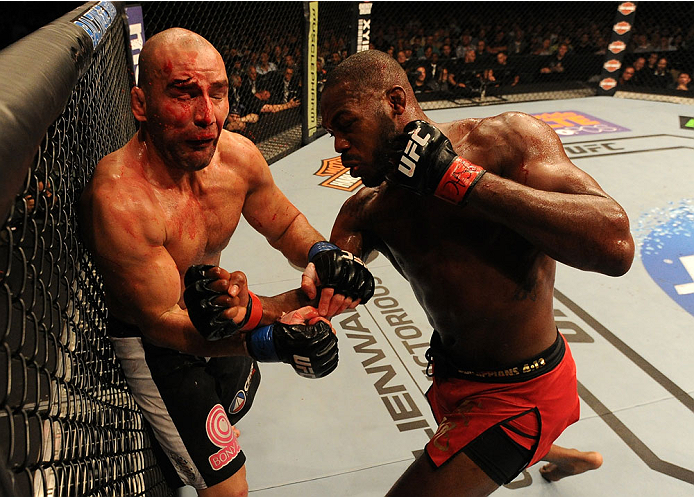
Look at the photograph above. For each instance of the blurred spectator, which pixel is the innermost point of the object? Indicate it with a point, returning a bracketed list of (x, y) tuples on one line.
[(683, 82), (464, 45), (544, 49), (627, 77), (464, 79), (287, 89), (419, 80), (662, 77), (641, 44), (249, 86), (506, 75), (402, 60), (555, 67), (335, 59), (434, 67), (519, 45), (264, 98), (265, 66), (487, 81), (584, 45), (498, 43), (440, 83), (446, 53), (482, 57), (321, 74), (640, 77), (652, 62)]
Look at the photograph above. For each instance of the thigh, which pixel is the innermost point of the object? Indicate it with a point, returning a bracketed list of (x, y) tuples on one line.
[(179, 399), (459, 477)]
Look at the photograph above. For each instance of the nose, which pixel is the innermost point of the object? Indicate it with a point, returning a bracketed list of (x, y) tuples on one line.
[(341, 144), (204, 111)]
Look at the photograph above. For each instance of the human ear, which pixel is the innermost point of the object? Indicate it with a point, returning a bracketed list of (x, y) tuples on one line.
[(397, 99), (138, 104)]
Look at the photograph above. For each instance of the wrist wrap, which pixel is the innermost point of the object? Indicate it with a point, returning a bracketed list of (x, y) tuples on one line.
[(458, 180), (254, 312), (260, 344)]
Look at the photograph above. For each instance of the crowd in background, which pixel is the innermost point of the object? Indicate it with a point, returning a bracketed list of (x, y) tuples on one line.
[(466, 58)]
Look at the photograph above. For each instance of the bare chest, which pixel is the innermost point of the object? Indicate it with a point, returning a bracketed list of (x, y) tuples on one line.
[(199, 228)]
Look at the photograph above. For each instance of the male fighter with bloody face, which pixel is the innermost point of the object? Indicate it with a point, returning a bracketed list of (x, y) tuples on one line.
[(156, 216), (474, 213)]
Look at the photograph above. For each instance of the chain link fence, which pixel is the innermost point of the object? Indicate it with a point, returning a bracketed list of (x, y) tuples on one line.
[(68, 425)]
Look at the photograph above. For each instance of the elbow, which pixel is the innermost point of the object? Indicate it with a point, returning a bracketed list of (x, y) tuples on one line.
[(620, 249), (621, 258)]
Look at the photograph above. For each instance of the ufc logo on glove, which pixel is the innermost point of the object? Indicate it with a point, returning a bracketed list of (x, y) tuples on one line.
[(303, 366), (408, 160)]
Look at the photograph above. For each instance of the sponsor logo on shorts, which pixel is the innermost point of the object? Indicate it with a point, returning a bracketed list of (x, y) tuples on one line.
[(221, 433), (338, 175), (238, 403), (573, 123)]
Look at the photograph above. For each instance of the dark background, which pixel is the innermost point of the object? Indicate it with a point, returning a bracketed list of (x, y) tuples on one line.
[(18, 19)]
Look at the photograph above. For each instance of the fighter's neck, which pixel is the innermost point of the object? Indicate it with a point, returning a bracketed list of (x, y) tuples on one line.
[(156, 170)]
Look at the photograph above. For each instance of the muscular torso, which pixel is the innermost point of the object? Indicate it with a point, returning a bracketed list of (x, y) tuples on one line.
[(485, 289), (192, 220)]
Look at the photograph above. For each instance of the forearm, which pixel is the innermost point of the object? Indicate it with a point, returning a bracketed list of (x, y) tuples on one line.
[(296, 240), (174, 330), (588, 231), (275, 307)]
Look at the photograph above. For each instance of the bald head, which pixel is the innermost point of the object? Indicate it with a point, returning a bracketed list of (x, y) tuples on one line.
[(368, 71), (152, 55)]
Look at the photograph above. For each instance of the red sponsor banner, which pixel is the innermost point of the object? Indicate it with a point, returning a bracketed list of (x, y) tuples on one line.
[(617, 46), (622, 27), (608, 83), (626, 8)]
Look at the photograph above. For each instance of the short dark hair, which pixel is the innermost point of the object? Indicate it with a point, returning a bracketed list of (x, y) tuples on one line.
[(370, 70)]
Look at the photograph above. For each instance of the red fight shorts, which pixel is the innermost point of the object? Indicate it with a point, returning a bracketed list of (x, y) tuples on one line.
[(503, 420)]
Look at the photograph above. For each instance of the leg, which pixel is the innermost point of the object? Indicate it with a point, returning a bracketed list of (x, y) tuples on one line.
[(234, 486), (458, 477), (566, 462)]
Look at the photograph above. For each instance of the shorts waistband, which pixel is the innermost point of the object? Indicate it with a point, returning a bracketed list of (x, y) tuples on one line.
[(526, 370)]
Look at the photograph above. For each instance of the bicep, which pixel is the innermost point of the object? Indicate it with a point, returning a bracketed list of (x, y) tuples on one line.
[(140, 276)]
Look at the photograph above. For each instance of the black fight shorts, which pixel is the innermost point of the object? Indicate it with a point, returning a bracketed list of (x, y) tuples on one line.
[(191, 404)]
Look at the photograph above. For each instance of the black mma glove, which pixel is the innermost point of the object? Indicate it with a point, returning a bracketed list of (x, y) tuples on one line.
[(342, 271), (427, 164), (205, 314), (311, 349)]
